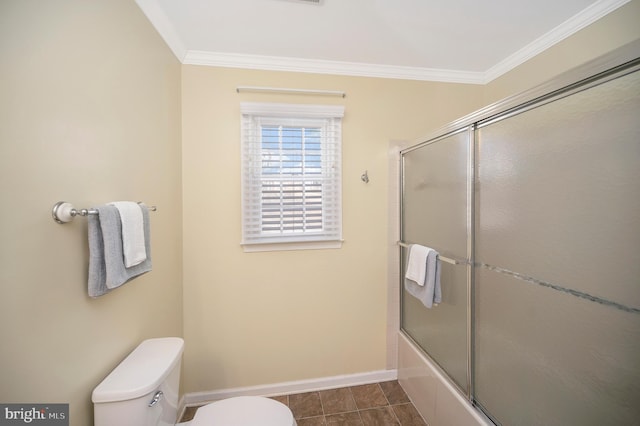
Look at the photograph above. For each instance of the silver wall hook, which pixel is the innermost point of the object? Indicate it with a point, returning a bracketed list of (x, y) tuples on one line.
[(365, 176)]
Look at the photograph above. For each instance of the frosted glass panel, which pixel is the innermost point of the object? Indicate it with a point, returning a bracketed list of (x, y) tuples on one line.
[(559, 192), (557, 287), (549, 358), (434, 215), (435, 195), (442, 330)]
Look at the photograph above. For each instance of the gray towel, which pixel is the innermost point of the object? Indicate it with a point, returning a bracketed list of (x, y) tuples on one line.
[(430, 293), (106, 259)]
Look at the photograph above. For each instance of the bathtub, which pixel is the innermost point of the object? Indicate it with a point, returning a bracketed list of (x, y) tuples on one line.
[(437, 400)]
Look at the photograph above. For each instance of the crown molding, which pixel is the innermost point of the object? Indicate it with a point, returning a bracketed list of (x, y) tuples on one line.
[(163, 25), (276, 63), (569, 27)]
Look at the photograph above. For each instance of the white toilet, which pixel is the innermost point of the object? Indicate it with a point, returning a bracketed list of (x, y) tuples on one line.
[(143, 391)]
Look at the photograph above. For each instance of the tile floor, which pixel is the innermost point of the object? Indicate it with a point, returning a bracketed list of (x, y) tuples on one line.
[(378, 404)]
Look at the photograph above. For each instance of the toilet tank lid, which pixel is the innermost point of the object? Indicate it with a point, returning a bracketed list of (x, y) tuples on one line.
[(141, 372)]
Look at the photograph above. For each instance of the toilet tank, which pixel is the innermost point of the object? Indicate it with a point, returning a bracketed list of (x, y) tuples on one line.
[(143, 389)]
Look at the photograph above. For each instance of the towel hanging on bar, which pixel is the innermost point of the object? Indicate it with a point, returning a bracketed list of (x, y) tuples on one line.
[(422, 277), (107, 267)]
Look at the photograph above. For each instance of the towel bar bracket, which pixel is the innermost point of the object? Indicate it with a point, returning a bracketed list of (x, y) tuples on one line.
[(63, 212)]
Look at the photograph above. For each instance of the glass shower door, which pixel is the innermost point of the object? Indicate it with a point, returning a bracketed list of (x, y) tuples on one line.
[(434, 214), (557, 276)]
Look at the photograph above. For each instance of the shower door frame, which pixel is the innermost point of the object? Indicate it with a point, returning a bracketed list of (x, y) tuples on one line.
[(622, 61), (469, 260)]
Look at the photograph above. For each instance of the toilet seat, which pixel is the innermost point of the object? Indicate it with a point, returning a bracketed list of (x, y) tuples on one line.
[(244, 411)]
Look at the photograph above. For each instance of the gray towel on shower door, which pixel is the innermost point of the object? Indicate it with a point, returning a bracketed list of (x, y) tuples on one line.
[(430, 293), (106, 258)]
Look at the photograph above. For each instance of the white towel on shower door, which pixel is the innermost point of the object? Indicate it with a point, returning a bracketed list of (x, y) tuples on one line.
[(422, 276), (417, 263)]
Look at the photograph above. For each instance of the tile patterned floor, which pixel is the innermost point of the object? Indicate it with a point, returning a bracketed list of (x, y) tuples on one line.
[(377, 404)]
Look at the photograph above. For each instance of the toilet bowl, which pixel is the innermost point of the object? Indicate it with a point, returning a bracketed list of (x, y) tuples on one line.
[(143, 391), (243, 410)]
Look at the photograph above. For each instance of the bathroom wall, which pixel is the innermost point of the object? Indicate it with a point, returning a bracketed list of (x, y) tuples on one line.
[(264, 318), (608, 33), (89, 113)]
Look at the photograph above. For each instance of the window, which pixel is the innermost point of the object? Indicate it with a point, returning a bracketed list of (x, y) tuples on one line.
[(291, 176)]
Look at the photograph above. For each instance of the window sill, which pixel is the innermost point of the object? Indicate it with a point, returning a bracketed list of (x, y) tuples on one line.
[(298, 245)]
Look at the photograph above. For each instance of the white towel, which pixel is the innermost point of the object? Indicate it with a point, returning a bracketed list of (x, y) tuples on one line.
[(422, 276), (417, 263), (133, 243)]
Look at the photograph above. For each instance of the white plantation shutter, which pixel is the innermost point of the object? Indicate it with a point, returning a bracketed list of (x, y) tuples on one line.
[(291, 176)]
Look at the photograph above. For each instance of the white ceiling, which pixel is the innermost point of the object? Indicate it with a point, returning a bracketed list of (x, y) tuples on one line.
[(442, 40)]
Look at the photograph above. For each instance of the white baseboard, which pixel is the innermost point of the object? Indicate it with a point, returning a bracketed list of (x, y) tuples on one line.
[(286, 388)]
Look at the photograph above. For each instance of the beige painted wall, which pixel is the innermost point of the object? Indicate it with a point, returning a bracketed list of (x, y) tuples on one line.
[(261, 318), (89, 113), (618, 28)]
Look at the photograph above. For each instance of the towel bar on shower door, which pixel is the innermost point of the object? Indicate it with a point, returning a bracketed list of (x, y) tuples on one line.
[(443, 258)]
